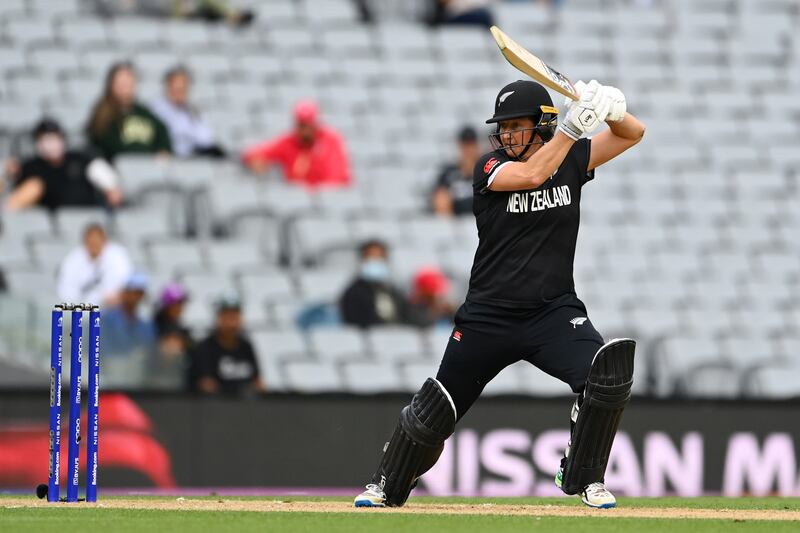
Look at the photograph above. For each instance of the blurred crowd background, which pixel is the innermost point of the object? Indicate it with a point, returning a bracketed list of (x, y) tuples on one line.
[(276, 196)]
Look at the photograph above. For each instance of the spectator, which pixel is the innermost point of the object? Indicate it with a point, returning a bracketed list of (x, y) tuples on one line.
[(123, 329), (95, 272), (225, 362), (213, 11), (371, 299), (206, 10), (313, 154), (429, 297), (464, 12), (56, 177), (452, 194), (174, 338), (120, 124), (189, 133)]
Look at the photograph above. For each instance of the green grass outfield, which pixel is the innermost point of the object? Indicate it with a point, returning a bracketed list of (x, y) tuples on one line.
[(148, 513)]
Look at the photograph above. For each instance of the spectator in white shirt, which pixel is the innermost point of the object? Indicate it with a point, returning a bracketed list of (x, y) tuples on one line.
[(189, 133), (95, 272)]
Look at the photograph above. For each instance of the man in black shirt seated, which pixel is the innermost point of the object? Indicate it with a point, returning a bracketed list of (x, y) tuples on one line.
[(452, 193), (371, 299), (57, 177), (225, 361)]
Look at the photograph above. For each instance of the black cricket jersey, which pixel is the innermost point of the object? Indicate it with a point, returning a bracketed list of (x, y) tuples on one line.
[(527, 238)]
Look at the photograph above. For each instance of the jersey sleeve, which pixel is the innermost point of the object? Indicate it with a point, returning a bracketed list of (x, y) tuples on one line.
[(486, 170), (582, 150)]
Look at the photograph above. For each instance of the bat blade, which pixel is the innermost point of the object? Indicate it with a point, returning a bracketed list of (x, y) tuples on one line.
[(529, 64)]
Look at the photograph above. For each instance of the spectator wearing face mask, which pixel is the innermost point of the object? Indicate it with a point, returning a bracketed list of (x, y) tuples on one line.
[(57, 177), (371, 299), (313, 154)]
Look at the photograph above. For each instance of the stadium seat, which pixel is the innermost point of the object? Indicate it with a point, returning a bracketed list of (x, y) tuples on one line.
[(508, 381), (175, 256), (536, 383), (330, 13), (371, 377), (338, 344), (320, 376), (392, 343)]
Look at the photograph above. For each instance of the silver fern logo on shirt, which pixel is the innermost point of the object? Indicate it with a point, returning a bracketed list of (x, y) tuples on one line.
[(577, 321), (527, 202)]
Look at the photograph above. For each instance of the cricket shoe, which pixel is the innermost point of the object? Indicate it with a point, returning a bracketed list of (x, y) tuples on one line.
[(372, 497), (596, 495)]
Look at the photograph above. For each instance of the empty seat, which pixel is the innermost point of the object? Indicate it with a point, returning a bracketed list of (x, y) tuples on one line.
[(31, 282), (330, 13), (404, 40), (140, 224), (536, 383), (341, 42), (267, 285), (137, 32), (323, 285), (71, 221), (371, 377), (414, 374), (141, 172), (462, 42), (678, 355), (187, 35), (287, 199), (21, 225), (392, 343), (50, 253), (336, 344), (228, 256), (281, 344), (506, 382), (26, 31), (312, 237), (175, 256), (340, 202), (778, 381), (388, 230), (717, 380), (317, 376), (231, 198)]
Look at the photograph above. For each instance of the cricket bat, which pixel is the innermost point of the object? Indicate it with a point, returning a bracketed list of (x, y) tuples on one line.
[(531, 65)]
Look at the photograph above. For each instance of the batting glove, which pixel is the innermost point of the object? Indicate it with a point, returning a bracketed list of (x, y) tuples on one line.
[(587, 114), (617, 104)]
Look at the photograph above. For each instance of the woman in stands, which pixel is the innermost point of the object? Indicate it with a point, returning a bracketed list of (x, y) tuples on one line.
[(521, 302), (120, 124)]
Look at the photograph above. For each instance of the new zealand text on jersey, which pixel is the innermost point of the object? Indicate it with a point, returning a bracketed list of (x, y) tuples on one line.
[(525, 202)]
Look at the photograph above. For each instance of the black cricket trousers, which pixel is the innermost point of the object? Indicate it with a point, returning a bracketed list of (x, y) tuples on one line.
[(558, 338)]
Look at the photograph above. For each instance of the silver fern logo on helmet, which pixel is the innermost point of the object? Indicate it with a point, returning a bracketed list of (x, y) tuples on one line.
[(577, 321)]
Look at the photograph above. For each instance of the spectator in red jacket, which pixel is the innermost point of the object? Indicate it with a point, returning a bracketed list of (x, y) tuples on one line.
[(312, 154)]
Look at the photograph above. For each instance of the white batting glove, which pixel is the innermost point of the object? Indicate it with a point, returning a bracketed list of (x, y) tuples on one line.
[(587, 114), (617, 104)]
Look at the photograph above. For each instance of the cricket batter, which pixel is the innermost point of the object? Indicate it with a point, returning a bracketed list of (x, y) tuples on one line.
[(521, 302)]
